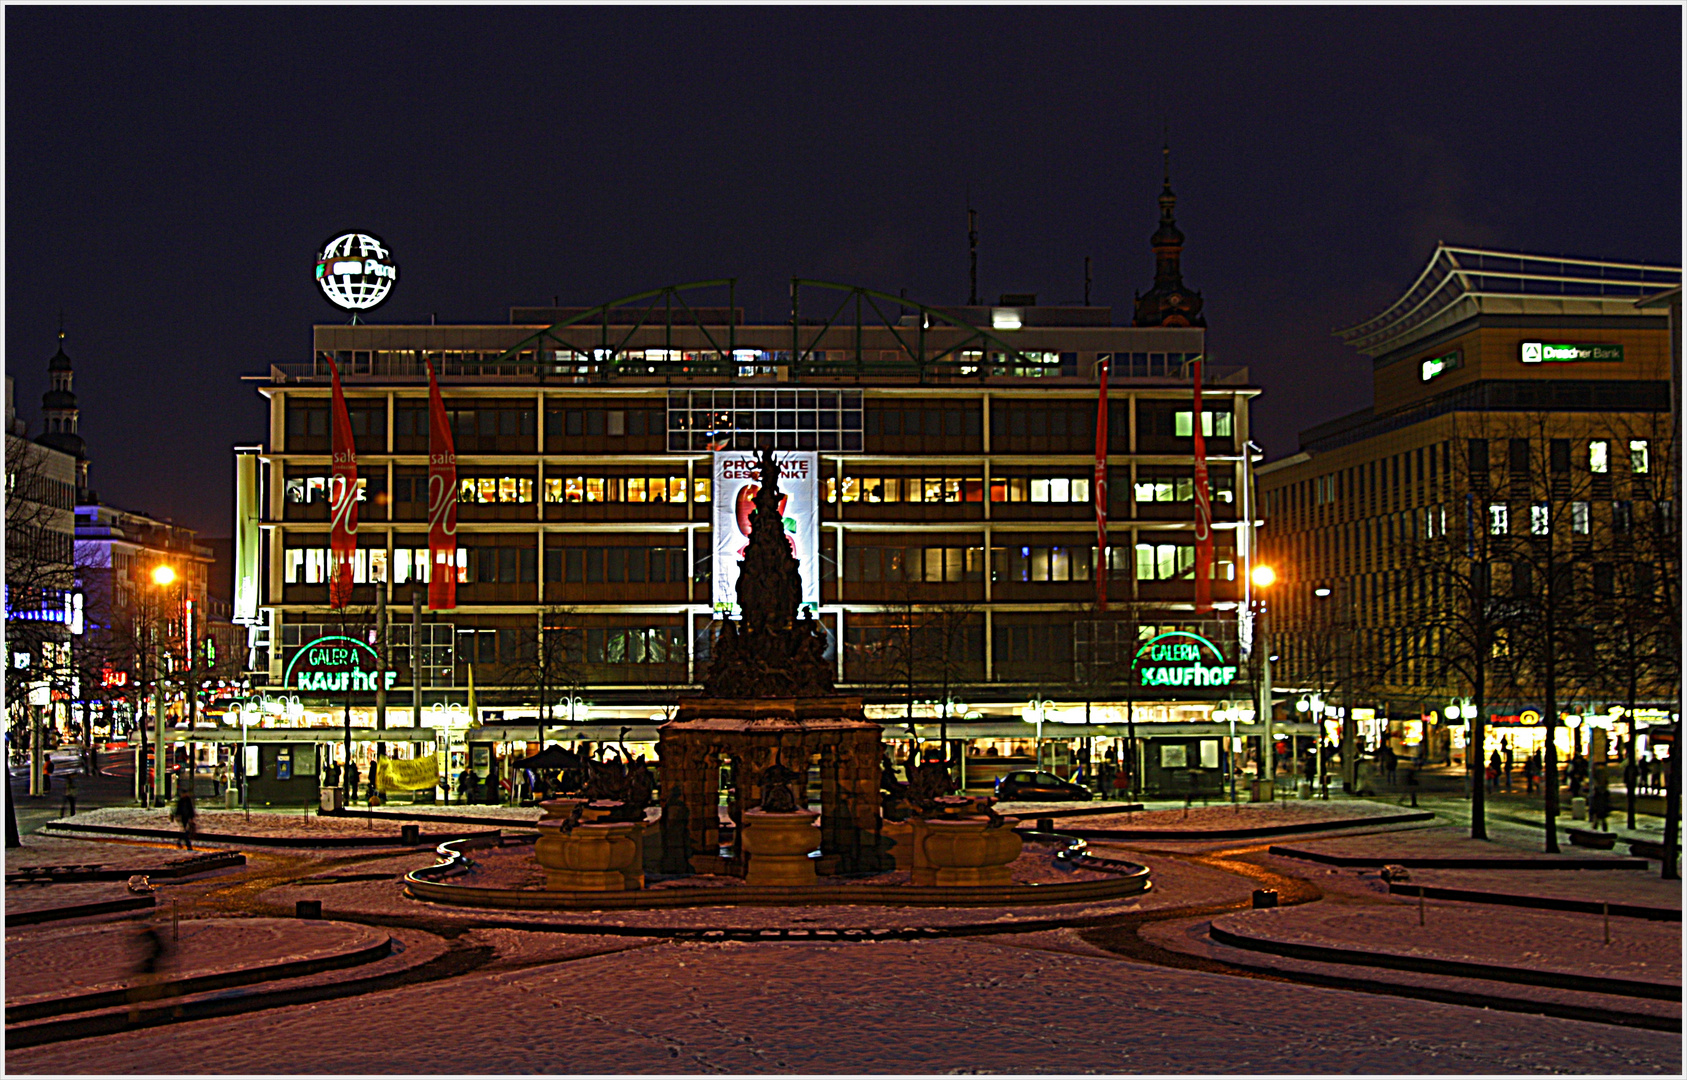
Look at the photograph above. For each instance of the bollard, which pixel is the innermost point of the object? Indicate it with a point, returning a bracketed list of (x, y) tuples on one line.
[(307, 909), (1265, 898), (411, 835), (1045, 824)]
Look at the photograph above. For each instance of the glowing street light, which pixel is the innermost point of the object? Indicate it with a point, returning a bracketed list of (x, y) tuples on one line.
[(1264, 576), (163, 574)]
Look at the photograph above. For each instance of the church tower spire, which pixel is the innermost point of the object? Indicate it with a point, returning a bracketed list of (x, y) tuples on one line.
[(1168, 303), (60, 414)]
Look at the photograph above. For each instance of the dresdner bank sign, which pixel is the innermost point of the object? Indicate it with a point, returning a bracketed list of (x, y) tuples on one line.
[(1182, 658), (335, 663)]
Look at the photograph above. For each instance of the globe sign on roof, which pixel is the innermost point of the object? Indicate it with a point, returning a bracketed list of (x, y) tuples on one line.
[(355, 271)]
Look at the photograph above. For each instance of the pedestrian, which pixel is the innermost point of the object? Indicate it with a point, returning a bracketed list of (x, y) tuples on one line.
[(69, 796), (1599, 808), (465, 781), (1531, 765), (351, 782), (332, 774), (147, 971), (46, 774), (1494, 772), (184, 814), (1578, 773), (1506, 772)]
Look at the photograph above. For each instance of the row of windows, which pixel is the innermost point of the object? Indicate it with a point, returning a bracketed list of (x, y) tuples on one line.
[(1423, 462), (1025, 563), (1173, 486), (591, 565), (591, 645)]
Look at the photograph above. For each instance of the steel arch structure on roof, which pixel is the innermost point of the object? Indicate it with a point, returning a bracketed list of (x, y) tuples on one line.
[(597, 343)]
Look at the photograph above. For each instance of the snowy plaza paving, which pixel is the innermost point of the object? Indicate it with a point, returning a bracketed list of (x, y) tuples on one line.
[(906, 1007), (604, 997)]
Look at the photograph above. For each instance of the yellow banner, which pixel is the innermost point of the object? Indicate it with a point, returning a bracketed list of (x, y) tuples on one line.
[(416, 775)]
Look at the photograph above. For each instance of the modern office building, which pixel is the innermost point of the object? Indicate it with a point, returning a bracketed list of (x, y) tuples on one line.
[(1522, 427), (947, 530)]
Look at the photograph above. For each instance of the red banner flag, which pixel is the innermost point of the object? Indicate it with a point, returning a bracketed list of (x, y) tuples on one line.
[(442, 504), (1203, 510), (342, 501), (1101, 568)]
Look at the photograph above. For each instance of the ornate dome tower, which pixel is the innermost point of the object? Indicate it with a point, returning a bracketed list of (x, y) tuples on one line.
[(1168, 303)]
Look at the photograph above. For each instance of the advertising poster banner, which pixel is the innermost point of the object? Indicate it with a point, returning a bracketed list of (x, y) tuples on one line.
[(736, 481), (442, 503), (342, 499)]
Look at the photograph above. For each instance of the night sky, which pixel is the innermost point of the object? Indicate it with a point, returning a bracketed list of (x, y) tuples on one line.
[(171, 173)]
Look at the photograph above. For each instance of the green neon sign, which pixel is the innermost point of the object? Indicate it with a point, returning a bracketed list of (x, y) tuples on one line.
[(1179, 658), (1546, 352), (335, 662), (1440, 365)]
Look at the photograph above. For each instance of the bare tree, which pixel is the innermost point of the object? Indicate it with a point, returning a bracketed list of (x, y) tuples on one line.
[(551, 660)]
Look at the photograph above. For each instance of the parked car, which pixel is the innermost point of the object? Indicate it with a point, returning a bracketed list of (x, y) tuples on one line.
[(1039, 787)]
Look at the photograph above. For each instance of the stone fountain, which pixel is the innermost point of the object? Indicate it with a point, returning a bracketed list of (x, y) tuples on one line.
[(771, 710)]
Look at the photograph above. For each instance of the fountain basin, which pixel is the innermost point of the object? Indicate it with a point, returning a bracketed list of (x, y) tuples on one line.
[(592, 858), (778, 845)]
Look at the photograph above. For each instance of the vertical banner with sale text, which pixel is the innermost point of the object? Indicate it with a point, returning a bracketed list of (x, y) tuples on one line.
[(342, 499), (737, 479), (1203, 508), (442, 504)]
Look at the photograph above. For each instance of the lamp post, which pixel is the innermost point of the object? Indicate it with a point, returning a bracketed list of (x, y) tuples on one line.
[(163, 576), (1314, 705), (1035, 710), (1263, 578)]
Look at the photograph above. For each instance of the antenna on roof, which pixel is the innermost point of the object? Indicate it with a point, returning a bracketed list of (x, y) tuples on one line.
[(972, 247)]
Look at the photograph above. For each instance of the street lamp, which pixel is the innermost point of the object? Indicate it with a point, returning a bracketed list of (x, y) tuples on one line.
[(163, 576), (1035, 711), (1263, 577)]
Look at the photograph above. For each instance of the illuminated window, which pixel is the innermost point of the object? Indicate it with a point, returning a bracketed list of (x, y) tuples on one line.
[(700, 489), (1499, 519), (635, 489), (851, 490), (1579, 518), (574, 488), (507, 489), (553, 489), (594, 489), (316, 566), (1599, 456), (487, 489), (1212, 423), (1639, 457), (1540, 519)]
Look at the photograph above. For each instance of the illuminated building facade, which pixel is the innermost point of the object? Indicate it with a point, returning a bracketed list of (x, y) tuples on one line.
[(1520, 447)]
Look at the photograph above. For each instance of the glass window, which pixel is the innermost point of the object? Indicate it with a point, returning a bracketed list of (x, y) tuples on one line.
[(700, 489), (1579, 518), (1019, 489), (574, 488), (1060, 489), (1039, 490), (635, 489), (594, 489), (1599, 456), (1499, 520), (1639, 457), (1081, 490), (851, 489), (553, 489), (487, 489), (1540, 519), (506, 489)]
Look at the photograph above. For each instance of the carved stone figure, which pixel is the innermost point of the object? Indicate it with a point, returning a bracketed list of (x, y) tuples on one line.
[(776, 784), (774, 650)]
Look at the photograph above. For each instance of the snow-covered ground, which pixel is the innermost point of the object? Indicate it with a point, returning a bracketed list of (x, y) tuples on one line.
[(48, 962), (1233, 816), (1565, 942), (895, 1007), (1451, 841), (238, 823)]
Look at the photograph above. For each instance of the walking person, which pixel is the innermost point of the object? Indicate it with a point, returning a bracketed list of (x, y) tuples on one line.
[(1505, 773), (1599, 808), (148, 971), (185, 815), (1531, 766), (351, 782), (69, 803), (1494, 772)]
